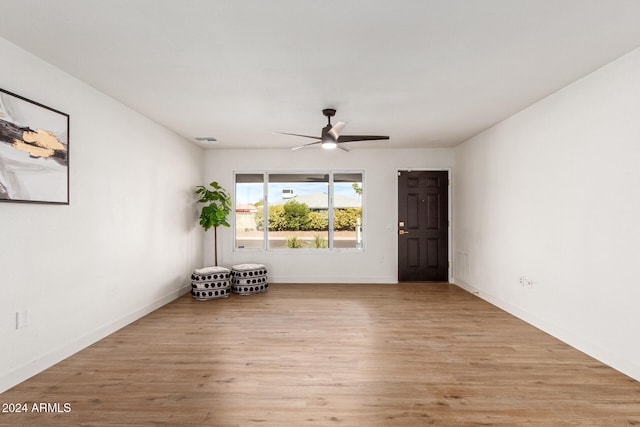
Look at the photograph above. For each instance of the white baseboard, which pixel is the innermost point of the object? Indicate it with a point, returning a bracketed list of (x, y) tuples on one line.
[(627, 367), (331, 279), (38, 365)]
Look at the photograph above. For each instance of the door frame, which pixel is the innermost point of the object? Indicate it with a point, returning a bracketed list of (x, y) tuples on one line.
[(449, 217)]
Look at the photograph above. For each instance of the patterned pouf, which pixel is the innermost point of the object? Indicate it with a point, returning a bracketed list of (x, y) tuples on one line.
[(247, 279), (210, 283)]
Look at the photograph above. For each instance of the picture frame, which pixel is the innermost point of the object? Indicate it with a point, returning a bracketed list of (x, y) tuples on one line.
[(34, 151)]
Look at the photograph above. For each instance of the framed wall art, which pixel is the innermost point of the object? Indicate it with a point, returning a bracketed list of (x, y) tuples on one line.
[(34, 151)]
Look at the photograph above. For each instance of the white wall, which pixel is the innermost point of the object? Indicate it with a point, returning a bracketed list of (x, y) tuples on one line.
[(377, 263), (126, 243), (553, 194)]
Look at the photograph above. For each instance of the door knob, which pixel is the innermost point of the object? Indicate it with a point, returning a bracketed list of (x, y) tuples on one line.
[(401, 232)]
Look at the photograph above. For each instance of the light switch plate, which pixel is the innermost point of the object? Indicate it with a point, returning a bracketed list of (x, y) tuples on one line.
[(22, 319)]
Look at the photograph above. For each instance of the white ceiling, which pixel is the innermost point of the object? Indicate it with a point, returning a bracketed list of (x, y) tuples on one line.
[(429, 73)]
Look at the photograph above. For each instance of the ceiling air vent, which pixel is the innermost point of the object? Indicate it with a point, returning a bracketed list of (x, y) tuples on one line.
[(207, 139)]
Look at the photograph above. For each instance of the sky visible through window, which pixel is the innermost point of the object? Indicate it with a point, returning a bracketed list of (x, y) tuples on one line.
[(251, 192)]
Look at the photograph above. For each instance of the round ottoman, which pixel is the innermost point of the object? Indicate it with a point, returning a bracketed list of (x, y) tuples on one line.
[(247, 279), (210, 283)]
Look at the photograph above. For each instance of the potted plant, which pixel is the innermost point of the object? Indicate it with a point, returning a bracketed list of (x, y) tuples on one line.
[(216, 210)]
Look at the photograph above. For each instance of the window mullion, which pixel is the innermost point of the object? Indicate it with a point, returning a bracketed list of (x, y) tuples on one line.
[(330, 211), (265, 212)]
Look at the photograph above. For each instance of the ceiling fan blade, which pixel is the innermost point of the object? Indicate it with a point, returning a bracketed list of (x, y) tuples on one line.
[(336, 129), (350, 138), (297, 134), (344, 147), (306, 145)]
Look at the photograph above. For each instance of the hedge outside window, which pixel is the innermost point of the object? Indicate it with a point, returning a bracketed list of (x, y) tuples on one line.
[(308, 210)]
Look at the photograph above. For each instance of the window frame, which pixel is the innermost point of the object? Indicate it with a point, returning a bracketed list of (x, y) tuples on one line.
[(266, 201)]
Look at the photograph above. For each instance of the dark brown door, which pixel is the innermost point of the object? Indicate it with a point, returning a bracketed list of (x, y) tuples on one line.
[(423, 226)]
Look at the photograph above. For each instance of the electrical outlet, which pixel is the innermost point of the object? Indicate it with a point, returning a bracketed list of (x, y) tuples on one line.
[(525, 283)]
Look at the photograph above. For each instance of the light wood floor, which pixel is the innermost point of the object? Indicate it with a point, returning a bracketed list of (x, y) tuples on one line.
[(331, 355)]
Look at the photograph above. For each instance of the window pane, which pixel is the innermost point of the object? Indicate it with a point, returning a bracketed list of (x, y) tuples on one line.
[(249, 204), (298, 210), (347, 210)]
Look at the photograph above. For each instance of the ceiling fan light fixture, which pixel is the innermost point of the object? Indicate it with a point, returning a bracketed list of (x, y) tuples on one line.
[(331, 135), (329, 145)]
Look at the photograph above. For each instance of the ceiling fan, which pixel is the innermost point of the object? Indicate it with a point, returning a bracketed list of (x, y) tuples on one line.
[(331, 138)]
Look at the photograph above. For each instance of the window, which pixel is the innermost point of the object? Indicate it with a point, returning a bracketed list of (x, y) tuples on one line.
[(347, 210), (249, 201), (305, 210)]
